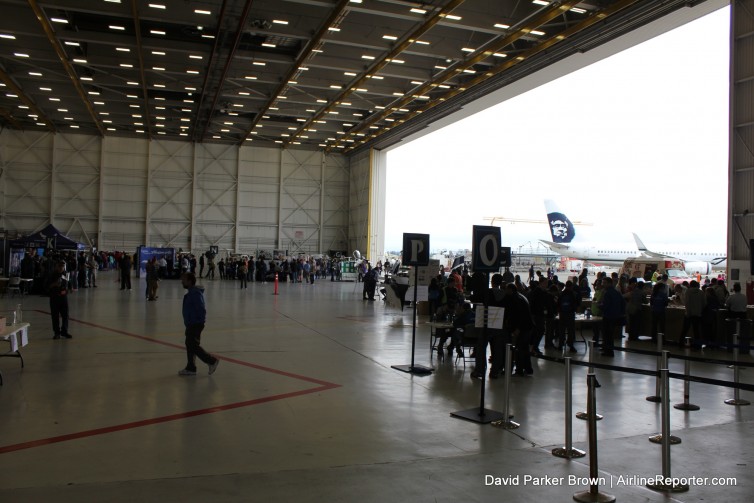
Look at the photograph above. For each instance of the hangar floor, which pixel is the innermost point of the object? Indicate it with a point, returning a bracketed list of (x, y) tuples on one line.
[(305, 407)]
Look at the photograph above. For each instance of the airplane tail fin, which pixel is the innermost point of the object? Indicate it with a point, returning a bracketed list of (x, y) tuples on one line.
[(562, 229)]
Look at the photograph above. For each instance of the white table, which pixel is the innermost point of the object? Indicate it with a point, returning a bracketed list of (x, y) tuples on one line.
[(17, 336)]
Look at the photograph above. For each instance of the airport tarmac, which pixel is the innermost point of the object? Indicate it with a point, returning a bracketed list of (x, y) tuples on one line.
[(306, 407)]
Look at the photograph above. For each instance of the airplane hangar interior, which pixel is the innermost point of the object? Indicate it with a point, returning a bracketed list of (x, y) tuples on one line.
[(139, 133)]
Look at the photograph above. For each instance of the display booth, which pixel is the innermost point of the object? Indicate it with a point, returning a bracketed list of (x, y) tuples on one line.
[(49, 238)]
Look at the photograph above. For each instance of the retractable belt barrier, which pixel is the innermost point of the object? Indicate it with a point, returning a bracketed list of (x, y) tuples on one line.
[(653, 373)]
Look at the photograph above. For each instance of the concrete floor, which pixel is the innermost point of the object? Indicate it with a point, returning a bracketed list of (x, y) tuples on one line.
[(305, 407)]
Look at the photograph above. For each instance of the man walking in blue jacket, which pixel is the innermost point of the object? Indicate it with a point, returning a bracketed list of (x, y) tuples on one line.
[(194, 316)]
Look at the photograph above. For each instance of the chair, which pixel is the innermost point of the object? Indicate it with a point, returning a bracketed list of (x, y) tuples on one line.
[(14, 285), (469, 340)]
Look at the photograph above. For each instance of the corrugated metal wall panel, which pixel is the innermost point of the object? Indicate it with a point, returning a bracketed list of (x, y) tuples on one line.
[(741, 177), (128, 191)]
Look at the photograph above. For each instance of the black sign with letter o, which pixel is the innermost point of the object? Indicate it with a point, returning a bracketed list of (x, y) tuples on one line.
[(415, 249), (485, 251)]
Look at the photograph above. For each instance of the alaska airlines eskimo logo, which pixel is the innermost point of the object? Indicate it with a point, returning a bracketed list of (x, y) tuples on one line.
[(561, 228)]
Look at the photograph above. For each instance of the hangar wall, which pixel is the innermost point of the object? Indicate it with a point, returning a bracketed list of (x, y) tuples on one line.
[(741, 166), (118, 193)]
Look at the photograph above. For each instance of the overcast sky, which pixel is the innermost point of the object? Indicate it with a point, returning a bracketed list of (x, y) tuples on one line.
[(637, 142)]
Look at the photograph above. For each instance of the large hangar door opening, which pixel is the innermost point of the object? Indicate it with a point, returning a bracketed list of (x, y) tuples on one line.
[(637, 142)]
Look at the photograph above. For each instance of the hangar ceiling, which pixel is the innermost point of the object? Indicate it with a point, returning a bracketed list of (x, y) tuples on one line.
[(338, 75)]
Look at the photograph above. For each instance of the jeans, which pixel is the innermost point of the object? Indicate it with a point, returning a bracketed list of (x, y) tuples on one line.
[(194, 349)]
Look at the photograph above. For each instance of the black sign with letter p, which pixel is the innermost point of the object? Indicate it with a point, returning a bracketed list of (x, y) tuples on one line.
[(415, 249), (485, 249)]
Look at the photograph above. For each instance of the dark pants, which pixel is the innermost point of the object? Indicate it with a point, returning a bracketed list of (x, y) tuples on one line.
[(59, 310), (610, 327), (695, 323), (369, 287), (549, 330), (658, 324), (539, 332), (522, 355), (125, 280), (242, 277), (194, 348), (634, 326), (567, 323), (496, 339)]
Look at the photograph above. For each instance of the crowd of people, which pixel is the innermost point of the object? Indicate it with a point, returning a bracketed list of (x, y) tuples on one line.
[(545, 309), (541, 309)]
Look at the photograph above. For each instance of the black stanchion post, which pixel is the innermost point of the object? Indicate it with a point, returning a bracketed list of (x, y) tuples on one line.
[(568, 450), (593, 495), (665, 395), (584, 415), (413, 368), (481, 414), (686, 405), (667, 484), (656, 397), (737, 400), (506, 422)]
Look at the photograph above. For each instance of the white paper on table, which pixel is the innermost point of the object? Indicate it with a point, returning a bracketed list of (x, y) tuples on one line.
[(13, 343), (495, 317), (24, 336)]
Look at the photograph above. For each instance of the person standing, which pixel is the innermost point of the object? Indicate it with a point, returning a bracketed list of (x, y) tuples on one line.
[(736, 303), (194, 317), (125, 271), (211, 267), (201, 265), (370, 283), (568, 302), (613, 314), (152, 279), (695, 300), (242, 271), (658, 304), (58, 290), (92, 267)]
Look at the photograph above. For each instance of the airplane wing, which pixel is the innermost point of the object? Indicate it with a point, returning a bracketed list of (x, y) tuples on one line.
[(556, 247)]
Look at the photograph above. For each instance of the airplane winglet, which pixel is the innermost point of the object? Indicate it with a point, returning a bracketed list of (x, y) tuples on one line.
[(639, 244)]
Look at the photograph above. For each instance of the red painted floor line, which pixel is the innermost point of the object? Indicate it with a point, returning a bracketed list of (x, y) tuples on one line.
[(178, 346), (323, 386), (158, 420)]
